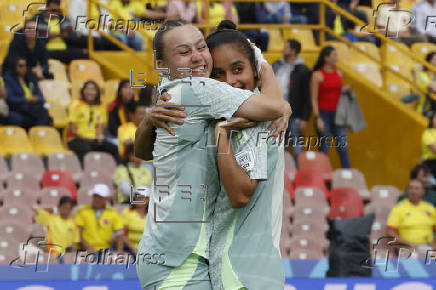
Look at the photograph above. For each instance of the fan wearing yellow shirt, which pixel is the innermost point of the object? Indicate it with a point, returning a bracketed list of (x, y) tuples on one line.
[(62, 232), (413, 221), (134, 219), (98, 223), (87, 118), (126, 132), (130, 173), (428, 145)]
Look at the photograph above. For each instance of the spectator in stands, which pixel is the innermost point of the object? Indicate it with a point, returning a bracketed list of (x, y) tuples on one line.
[(353, 32), (87, 118), (247, 14), (428, 145), (273, 12), (62, 232), (127, 10), (426, 81), (130, 173), (423, 174), (126, 132), (99, 224), (178, 9), (56, 29), (25, 44), (117, 109), (134, 219), (423, 12), (25, 99), (218, 11), (294, 79), (146, 95), (326, 86), (413, 221), (399, 26)]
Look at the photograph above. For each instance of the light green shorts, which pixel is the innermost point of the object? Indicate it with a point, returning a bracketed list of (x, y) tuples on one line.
[(193, 274)]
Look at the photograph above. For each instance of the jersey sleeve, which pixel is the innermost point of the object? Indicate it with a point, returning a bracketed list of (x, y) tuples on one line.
[(42, 217), (222, 99), (394, 218), (73, 113), (79, 220), (252, 153)]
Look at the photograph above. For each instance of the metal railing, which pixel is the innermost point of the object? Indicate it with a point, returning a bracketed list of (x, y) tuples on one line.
[(321, 27)]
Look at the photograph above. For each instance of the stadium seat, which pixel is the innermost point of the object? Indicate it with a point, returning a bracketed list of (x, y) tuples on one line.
[(24, 181), (369, 48), (19, 197), (23, 215), (351, 178), (399, 62), (308, 228), (67, 162), (345, 202), (58, 113), (46, 140), (315, 161), (309, 196), (38, 230), (370, 71), (369, 16), (84, 70), (290, 165), (310, 178), (99, 161), (381, 211), (289, 186), (56, 92), (276, 42), (109, 92), (314, 213), (398, 90), (90, 178), (58, 178), (58, 69), (4, 172), (29, 163), (385, 194), (421, 49), (5, 34), (8, 250), (14, 140), (305, 36), (302, 253), (76, 87), (343, 51), (308, 243), (50, 196)]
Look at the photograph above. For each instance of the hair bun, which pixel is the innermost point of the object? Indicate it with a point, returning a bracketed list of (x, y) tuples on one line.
[(226, 24)]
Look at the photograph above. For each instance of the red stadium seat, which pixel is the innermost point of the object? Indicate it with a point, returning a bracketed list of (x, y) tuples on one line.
[(58, 178), (310, 178), (289, 187), (345, 202), (67, 162), (351, 178), (29, 163), (315, 161), (50, 195), (99, 161)]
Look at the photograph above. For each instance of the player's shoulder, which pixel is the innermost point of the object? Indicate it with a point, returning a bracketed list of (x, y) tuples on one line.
[(427, 205)]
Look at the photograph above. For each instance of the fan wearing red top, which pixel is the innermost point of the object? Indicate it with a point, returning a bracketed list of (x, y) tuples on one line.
[(326, 87)]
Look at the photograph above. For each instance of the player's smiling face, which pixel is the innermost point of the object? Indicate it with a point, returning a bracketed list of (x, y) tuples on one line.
[(232, 66), (185, 47)]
